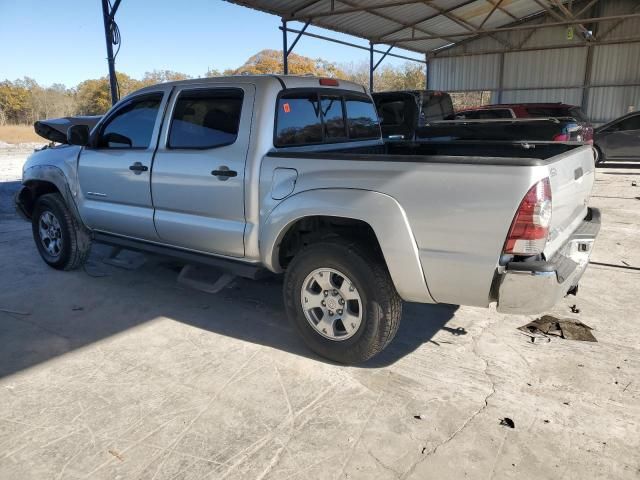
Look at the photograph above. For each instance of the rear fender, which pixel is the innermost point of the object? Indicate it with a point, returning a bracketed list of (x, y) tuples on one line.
[(382, 212)]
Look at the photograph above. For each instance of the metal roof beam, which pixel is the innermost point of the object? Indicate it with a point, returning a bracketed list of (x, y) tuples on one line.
[(296, 15), (464, 24), (520, 27), (493, 9), (354, 45), (424, 19), (504, 10)]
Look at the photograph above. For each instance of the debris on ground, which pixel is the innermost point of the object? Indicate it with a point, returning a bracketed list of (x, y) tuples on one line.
[(575, 309), (420, 417), (15, 312), (117, 455), (507, 422), (634, 184), (567, 328)]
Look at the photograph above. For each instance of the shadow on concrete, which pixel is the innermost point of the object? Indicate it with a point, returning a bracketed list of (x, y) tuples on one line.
[(616, 164), (45, 313)]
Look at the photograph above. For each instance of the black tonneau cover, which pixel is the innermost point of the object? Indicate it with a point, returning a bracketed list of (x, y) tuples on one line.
[(55, 129)]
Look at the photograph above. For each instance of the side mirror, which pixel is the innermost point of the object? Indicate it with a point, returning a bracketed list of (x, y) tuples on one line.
[(78, 135)]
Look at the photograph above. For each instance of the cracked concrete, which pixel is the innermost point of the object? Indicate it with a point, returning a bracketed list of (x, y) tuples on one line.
[(111, 373)]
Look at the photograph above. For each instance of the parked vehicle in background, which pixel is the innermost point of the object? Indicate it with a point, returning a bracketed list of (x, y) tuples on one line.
[(508, 129), (290, 174), (584, 132), (618, 139), (402, 112)]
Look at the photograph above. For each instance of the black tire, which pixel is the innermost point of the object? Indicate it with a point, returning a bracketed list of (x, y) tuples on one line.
[(76, 244), (600, 159), (382, 306)]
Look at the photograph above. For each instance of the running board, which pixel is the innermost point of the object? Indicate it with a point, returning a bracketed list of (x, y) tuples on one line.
[(236, 267)]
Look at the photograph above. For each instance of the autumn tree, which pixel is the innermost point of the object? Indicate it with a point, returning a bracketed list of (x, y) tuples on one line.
[(93, 97), (270, 61), (161, 76)]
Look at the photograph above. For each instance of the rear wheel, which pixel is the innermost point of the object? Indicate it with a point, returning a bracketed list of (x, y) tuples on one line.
[(342, 301), (58, 237)]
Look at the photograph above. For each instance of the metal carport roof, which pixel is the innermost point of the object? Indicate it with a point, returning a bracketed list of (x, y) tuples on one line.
[(429, 25)]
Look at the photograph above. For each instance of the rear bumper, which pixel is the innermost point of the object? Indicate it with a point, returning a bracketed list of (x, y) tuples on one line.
[(535, 287)]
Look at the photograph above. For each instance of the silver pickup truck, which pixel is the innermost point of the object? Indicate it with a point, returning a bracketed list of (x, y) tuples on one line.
[(289, 174)]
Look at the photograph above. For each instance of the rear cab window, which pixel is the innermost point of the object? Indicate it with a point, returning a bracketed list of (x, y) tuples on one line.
[(319, 116)]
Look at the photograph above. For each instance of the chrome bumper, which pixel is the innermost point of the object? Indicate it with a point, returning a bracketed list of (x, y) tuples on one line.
[(535, 287)]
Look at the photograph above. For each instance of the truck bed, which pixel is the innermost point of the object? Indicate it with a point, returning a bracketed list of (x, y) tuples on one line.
[(459, 197)]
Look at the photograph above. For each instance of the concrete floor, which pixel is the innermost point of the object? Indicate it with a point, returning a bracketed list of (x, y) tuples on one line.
[(108, 373)]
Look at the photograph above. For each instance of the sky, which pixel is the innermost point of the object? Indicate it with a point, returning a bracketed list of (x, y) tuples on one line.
[(62, 41)]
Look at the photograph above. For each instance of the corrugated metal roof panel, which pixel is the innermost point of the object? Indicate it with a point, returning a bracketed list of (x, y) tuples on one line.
[(403, 18)]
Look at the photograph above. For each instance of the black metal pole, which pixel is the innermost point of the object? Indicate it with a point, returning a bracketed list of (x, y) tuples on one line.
[(106, 17), (370, 67), (285, 49), (426, 71)]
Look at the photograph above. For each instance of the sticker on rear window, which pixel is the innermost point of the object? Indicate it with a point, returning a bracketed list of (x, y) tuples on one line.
[(286, 108)]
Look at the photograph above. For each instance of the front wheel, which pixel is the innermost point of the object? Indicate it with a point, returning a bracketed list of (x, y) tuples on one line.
[(342, 301), (59, 239)]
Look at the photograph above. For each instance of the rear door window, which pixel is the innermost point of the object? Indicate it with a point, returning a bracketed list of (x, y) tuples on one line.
[(206, 118), (362, 118), (298, 120)]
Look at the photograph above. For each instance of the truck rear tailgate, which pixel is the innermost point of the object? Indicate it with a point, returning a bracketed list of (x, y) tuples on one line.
[(571, 175)]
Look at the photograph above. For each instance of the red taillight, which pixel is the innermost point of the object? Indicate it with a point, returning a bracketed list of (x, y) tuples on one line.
[(530, 228), (561, 137), (329, 82)]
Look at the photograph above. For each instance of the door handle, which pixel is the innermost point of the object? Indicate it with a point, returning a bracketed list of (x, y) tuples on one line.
[(138, 168), (223, 173)]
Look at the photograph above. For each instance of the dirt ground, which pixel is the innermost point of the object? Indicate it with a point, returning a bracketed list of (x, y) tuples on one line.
[(109, 373)]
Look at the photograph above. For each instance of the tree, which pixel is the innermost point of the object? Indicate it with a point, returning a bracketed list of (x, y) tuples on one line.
[(14, 102), (161, 76), (93, 97), (270, 61)]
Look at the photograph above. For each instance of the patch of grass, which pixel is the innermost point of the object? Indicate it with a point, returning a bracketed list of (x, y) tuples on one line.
[(19, 134)]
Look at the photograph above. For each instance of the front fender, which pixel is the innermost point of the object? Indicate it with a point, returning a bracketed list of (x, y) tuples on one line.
[(382, 212), (55, 176)]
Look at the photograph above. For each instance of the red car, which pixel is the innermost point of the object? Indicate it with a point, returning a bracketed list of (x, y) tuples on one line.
[(581, 131)]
